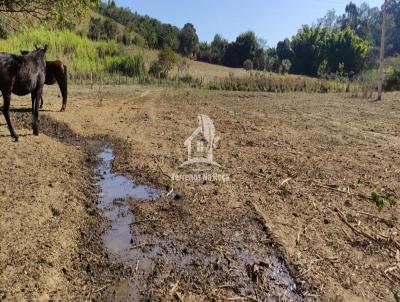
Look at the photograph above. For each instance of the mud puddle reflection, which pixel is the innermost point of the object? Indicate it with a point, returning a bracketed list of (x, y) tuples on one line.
[(116, 190), (155, 262)]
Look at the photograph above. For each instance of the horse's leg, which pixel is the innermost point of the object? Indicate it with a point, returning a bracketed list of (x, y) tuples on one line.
[(6, 112), (35, 111), (62, 81), (41, 101)]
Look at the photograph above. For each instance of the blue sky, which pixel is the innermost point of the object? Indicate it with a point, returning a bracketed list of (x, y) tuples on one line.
[(272, 20)]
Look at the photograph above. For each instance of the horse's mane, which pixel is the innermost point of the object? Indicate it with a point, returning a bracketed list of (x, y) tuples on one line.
[(17, 58)]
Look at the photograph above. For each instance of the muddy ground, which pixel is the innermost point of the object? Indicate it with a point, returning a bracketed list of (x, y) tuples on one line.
[(294, 222)]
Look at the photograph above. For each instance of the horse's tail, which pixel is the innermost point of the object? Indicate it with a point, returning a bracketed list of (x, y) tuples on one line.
[(64, 87)]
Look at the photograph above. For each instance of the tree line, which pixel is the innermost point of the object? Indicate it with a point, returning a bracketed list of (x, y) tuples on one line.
[(336, 45)]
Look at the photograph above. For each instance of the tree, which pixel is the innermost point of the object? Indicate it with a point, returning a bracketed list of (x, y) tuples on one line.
[(245, 47), (167, 36), (329, 20), (99, 29), (4, 28), (260, 59), (309, 50), (112, 4), (146, 27), (55, 10), (284, 50), (218, 49), (352, 17), (248, 64), (271, 63), (167, 59), (204, 52), (285, 66), (110, 29), (346, 48), (394, 31), (95, 28), (188, 40)]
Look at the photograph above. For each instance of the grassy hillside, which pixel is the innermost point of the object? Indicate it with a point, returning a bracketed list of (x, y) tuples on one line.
[(85, 56), (82, 26), (80, 53), (108, 60)]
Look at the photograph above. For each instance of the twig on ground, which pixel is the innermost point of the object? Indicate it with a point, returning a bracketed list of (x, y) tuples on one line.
[(285, 181), (237, 298), (142, 221), (332, 189), (369, 214), (355, 230), (226, 286), (170, 178), (101, 288), (141, 245), (174, 288), (347, 234), (377, 238), (178, 295), (391, 269), (170, 192)]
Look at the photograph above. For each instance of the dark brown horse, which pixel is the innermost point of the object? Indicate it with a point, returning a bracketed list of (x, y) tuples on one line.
[(56, 72), (22, 75)]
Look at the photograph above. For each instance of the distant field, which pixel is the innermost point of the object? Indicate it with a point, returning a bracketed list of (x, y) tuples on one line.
[(210, 71)]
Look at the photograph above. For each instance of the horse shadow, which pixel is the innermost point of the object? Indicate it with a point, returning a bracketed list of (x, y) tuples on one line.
[(20, 135), (26, 110)]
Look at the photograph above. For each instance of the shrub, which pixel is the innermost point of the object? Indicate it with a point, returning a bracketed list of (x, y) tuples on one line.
[(4, 29), (166, 59), (392, 82), (139, 41), (285, 66), (99, 29), (277, 83), (248, 64), (155, 69), (128, 65), (367, 81)]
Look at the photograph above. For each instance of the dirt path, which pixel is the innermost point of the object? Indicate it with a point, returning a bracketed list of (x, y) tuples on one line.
[(302, 169)]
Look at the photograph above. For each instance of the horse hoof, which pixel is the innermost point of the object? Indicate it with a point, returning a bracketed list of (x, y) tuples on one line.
[(62, 110), (36, 132), (16, 139)]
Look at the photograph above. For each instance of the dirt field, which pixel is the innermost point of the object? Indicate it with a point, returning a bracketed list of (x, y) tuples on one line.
[(302, 168)]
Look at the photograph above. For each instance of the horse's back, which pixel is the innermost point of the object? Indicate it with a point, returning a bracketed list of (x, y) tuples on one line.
[(9, 66), (54, 71)]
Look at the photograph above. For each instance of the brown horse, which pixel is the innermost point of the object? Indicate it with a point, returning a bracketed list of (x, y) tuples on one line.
[(56, 72)]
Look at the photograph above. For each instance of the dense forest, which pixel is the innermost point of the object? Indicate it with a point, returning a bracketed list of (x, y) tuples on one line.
[(335, 45)]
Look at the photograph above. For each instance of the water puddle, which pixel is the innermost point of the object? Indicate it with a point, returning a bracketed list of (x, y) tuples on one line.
[(149, 257), (116, 189)]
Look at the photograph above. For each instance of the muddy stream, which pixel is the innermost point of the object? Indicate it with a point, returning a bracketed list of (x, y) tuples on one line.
[(117, 191)]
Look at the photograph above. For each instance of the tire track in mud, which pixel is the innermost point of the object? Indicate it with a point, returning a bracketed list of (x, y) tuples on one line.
[(159, 266)]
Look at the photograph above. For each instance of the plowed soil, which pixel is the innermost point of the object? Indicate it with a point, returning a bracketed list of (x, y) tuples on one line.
[(297, 204)]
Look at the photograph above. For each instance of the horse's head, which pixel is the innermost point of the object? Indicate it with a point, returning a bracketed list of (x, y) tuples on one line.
[(40, 51)]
